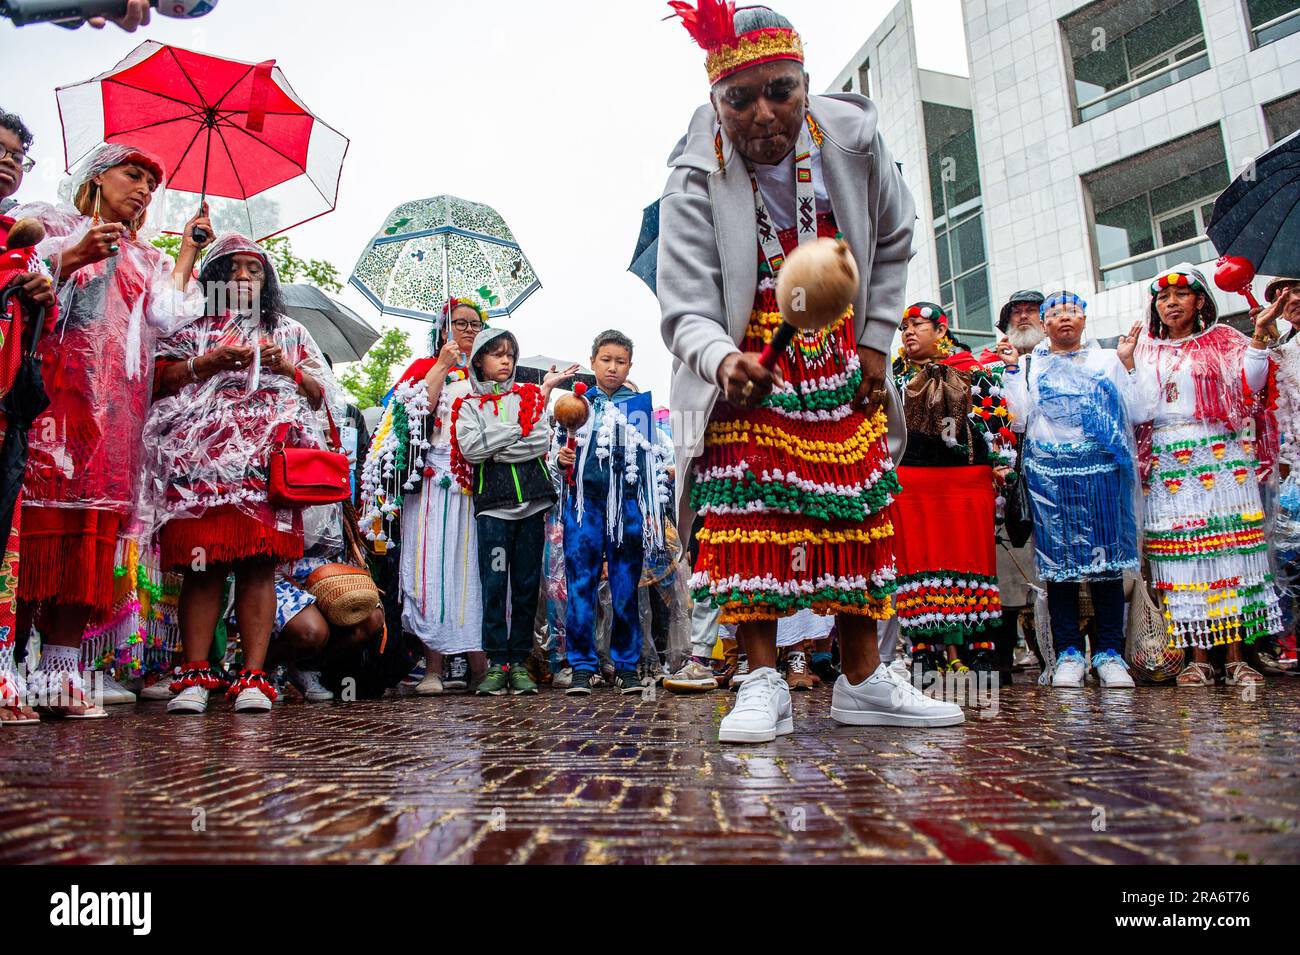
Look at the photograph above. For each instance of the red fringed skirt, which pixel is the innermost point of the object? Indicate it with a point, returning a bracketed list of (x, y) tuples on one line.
[(947, 561), (67, 556), (223, 535), (795, 494)]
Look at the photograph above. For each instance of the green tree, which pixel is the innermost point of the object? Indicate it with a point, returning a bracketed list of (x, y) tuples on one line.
[(288, 266), (369, 379)]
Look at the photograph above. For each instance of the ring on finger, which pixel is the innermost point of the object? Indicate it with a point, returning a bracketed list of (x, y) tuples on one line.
[(747, 392)]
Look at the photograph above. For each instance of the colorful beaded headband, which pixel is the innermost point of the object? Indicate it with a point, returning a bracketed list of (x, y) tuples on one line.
[(926, 311), (1060, 298), (711, 24), (455, 303), (1184, 279)]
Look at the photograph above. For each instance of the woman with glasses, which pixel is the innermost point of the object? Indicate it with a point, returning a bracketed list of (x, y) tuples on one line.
[(439, 554), (34, 291), (960, 450)]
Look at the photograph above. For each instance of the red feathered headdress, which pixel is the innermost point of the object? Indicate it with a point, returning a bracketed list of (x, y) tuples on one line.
[(712, 24)]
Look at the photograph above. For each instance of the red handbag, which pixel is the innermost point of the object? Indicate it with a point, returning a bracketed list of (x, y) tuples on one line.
[(302, 477)]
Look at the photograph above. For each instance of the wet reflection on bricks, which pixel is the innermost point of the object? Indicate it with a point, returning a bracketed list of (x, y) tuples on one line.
[(1156, 776)]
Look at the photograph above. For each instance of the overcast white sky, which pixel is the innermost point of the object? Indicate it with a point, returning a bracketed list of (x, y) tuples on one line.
[(560, 115)]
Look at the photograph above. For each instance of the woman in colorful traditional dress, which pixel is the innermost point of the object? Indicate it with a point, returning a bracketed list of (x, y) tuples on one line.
[(792, 474), (1208, 439), (117, 295), (410, 466), (230, 386), (960, 450)]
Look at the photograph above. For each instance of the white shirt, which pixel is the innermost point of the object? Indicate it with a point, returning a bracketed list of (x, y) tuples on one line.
[(776, 183)]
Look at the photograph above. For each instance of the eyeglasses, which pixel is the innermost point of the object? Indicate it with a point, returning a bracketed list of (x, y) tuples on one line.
[(466, 324), (21, 160)]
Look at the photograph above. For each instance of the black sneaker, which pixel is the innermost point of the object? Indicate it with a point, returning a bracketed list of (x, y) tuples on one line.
[(825, 670), (984, 661), (581, 685), (628, 681), (456, 676), (927, 661)]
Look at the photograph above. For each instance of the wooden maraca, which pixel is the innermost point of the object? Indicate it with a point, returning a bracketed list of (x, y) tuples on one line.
[(572, 412), (817, 283), (1234, 274)]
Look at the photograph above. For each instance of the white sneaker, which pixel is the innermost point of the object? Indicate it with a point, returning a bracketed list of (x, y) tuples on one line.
[(192, 699), (693, 677), (252, 700), (1023, 658), (159, 685), (113, 692), (1070, 669), (564, 679), (887, 698), (903, 667), (741, 674), (431, 685), (762, 711), (309, 685), (1111, 671)]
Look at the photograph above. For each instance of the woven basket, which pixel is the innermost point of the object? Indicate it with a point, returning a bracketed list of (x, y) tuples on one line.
[(345, 594), (1146, 647)]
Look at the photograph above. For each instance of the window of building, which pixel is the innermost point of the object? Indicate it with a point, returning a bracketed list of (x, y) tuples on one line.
[(1272, 19), (1122, 50), (954, 165), (860, 82), (1282, 117), (1150, 211), (958, 221)]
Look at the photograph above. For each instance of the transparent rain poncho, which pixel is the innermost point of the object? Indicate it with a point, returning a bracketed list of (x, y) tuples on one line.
[(96, 362), (1080, 461), (208, 445), (1286, 528)]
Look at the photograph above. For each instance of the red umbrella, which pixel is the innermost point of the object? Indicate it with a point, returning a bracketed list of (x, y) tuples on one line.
[(230, 132)]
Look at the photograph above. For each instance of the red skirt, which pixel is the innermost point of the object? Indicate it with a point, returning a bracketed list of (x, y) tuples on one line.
[(946, 552), (224, 535), (67, 556)]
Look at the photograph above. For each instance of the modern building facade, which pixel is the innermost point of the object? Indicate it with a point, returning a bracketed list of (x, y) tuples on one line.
[(1087, 146)]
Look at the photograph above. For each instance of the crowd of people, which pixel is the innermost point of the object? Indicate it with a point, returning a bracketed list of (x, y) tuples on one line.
[(818, 517)]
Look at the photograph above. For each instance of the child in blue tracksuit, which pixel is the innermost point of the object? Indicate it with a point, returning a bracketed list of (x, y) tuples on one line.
[(603, 520)]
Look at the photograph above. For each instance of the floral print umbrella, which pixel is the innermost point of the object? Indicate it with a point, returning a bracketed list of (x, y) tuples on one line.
[(430, 250)]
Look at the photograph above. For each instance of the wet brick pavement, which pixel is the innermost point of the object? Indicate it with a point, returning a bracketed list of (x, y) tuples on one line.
[(1156, 776)]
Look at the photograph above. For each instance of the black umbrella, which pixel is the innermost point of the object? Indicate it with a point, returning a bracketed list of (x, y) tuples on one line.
[(1256, 217), (535, 367), (337, 330), (22, 405), (645, 259)]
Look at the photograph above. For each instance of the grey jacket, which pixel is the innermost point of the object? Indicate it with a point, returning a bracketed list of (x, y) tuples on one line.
[(708, 243), (492, 429)]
